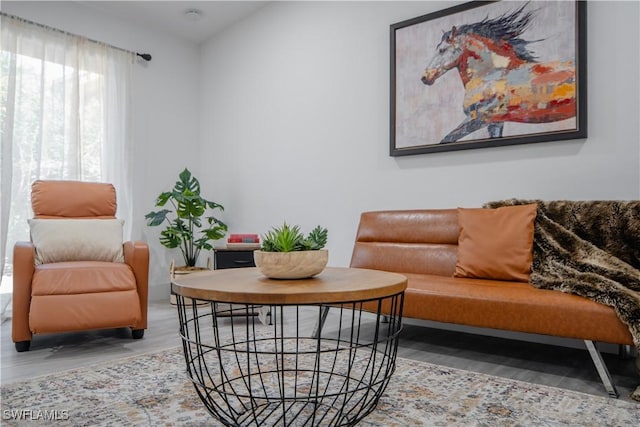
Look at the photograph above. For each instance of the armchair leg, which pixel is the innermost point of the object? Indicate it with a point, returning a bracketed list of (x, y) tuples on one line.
[(22, 346), (137, 333)]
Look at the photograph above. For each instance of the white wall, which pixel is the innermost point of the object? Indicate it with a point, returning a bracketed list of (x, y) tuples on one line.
[(166, 110), (290, 108), (295, 124)]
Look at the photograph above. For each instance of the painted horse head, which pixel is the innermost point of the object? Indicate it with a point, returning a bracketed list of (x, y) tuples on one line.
[(449, 53), (482, 47)]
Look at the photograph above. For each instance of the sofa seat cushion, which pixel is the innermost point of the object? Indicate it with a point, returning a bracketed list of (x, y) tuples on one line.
[(79, 312), (81, 277), (515, 306)]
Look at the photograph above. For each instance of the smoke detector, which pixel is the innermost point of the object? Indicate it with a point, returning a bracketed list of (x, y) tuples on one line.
[(193, 15)]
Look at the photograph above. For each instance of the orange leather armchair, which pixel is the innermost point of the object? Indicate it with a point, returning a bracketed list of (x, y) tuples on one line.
[(77, 295)]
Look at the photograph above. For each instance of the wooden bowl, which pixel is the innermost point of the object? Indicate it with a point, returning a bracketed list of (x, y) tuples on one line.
[(291, 265)]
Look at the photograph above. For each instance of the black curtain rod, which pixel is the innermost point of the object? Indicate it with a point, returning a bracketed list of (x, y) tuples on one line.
[(144, 56)]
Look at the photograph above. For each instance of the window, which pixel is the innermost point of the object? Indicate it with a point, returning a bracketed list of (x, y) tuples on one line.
[(64, 104)]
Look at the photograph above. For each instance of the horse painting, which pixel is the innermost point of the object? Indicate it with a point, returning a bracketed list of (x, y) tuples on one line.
[(503, 80)]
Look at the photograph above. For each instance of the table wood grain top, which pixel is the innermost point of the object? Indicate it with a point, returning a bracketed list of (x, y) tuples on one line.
[(249, 286)]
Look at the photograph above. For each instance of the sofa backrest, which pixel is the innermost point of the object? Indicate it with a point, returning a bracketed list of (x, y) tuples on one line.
[(73, 199), (408, 241)]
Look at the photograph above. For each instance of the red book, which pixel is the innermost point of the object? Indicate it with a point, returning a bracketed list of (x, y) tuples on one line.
[(243, 238)]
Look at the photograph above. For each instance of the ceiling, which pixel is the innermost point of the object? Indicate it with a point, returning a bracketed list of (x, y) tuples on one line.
[(169, 16)]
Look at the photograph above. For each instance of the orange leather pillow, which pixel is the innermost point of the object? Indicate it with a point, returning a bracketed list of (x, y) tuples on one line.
[(496, 243)]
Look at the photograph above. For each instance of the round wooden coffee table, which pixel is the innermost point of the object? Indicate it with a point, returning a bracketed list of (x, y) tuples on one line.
[(248, 373)]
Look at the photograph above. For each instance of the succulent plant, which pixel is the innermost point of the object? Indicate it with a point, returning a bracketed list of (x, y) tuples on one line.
[(289, 238), (316, 239)]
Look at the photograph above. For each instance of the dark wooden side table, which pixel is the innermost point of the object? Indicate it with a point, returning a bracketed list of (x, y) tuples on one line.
[(241, 257), (232, 258), (252, 375)]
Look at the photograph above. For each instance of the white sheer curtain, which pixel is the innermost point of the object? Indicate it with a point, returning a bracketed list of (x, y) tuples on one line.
[(65, 114)]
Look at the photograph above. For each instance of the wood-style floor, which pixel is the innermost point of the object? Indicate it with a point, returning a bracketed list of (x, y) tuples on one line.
[(518, 356)]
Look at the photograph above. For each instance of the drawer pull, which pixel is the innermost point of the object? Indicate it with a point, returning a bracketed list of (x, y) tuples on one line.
[(240, 261)]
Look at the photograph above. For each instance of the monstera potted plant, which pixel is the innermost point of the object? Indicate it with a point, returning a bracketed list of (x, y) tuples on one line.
[(286, 253), (189, 223)]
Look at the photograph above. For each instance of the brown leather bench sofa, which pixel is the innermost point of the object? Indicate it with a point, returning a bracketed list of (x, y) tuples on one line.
[(423, 245)]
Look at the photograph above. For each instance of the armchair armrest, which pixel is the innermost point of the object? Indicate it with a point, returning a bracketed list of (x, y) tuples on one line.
[(23, 269), (136, 255)]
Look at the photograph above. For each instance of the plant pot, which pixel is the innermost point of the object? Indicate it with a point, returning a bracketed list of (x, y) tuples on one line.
[(291, 265), (182, 270)]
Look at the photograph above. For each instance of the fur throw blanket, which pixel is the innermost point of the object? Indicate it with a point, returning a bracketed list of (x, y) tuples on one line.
[(591, 249)]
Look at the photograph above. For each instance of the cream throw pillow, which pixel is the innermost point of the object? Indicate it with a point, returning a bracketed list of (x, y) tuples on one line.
[(59, 240)]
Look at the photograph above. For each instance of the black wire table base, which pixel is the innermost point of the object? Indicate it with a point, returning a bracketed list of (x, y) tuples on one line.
[(251, 374)]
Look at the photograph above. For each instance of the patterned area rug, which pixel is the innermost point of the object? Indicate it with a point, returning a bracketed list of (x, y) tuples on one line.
[(153, 390)]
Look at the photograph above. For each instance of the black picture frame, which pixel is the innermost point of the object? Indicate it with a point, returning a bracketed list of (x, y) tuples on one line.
[(511, 86)]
